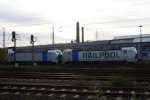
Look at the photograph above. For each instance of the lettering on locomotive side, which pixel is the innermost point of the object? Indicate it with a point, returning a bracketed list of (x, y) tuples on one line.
[(89, 55)]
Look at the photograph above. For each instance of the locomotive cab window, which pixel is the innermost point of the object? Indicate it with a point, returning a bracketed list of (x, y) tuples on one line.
[(11, 54), (58, 52)]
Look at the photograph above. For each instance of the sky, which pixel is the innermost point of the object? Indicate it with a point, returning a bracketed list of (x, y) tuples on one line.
[(110, 18)]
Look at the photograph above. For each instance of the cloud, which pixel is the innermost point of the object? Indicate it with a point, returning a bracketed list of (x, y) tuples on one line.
[(24, 19), (109, 17), (11, 14)]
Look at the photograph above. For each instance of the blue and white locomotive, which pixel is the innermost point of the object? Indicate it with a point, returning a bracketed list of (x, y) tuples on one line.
[(128, 54)]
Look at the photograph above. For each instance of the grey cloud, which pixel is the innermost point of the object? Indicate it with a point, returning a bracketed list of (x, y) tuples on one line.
[(19, 18)]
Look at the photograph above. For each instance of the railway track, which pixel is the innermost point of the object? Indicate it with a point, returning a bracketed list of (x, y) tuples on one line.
[(63, 76), (86, 65), (144, 72), (73, 91), (81, 91)]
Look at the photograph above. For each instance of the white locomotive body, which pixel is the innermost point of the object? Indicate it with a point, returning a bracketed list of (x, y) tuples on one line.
[(125, 54), (53, 56)]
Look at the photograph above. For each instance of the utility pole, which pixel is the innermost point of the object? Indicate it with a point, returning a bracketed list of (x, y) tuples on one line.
[(53, 38), (4, 58), (140, 42), (96, 35)]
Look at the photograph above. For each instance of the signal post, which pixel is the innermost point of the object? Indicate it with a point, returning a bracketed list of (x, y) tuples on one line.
[(32, 40)]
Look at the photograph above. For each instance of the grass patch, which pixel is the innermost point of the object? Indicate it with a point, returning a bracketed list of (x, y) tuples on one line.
[(120, 81), (81, 83)]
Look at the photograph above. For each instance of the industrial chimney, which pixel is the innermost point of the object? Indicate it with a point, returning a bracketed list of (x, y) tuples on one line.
[(77, 32), (82, 34)]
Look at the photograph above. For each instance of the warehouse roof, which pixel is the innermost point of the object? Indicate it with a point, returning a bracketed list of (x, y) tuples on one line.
[(120, 41), (131, 36), (130, 39), (144, 39)]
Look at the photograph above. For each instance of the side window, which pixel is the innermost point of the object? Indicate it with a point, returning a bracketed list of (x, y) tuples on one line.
[(144, 54), (125, 51), (69, 53)]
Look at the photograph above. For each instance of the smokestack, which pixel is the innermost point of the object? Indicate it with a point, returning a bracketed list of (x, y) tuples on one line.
[(82, 34), (77, 32)]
